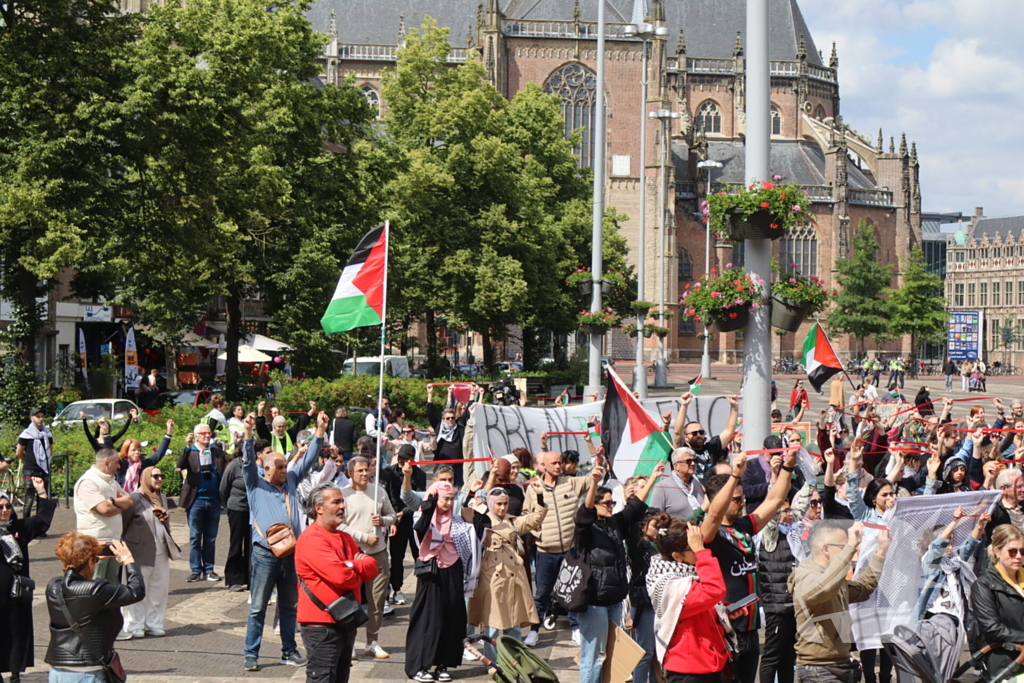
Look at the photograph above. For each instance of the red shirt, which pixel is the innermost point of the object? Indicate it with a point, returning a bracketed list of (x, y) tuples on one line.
[(698, 643), (320, 558)]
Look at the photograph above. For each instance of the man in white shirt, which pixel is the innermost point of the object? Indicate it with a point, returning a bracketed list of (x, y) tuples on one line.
[(99, 501)]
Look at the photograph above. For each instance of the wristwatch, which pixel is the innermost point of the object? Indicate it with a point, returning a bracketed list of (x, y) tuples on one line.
[(348, 563)]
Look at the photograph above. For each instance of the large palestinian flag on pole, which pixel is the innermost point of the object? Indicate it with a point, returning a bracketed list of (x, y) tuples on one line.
[(820, 358), (632, 437), (358, 300)]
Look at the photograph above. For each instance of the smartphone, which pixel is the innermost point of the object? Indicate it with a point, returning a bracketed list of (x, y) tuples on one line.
[(740, 604), (108, 550)]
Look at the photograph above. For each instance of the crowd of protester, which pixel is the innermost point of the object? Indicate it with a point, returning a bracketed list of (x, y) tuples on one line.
[(722, 543)]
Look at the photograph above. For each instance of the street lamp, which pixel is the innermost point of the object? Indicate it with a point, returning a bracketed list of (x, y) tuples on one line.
[(644, 32), (661, 364), (705, 359), (597, 218)]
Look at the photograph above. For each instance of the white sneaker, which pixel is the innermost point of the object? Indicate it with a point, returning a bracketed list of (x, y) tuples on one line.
[(576, 636), (127, 635), (398, 598), (531, 639), (388, 609), (375, 650), (468, 656)]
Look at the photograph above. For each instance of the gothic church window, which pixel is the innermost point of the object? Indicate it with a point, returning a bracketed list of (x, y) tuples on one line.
[(685, 265), (776, 121), (372, 98), (800, 247), (819, 112), (710, 117), (576, 86)]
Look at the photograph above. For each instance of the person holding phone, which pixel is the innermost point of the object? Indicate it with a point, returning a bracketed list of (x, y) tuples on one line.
[(85, 609)]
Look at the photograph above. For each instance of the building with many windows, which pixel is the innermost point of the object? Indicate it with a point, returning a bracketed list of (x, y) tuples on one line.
[(985, 272)]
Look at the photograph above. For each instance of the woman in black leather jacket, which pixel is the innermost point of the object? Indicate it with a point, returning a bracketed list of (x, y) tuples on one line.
[(998, 596), (78, 655), (599, 540)]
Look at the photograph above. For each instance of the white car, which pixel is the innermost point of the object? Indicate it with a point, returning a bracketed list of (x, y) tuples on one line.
[(94, 409)]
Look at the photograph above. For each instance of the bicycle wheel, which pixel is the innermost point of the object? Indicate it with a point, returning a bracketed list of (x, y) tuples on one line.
[(1017, 370)]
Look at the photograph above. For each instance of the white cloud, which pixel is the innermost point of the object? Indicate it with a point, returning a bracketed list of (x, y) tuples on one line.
[(948, 73)]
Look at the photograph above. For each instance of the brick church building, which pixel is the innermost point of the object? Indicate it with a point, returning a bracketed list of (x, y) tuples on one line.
[(697, 70)]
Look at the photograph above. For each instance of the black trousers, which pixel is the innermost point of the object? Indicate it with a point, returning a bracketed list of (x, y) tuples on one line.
[(673, 677), (867, 661), (329, 650), (31, 504), (437, 621), (779, 656), (744, 666), (397, 547), (236, 568)]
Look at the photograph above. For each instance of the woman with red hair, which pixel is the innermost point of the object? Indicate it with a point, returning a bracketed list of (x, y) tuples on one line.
[(132, 463)]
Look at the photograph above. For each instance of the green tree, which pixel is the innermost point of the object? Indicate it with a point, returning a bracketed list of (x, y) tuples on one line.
[(247, 174), (61, 69), (489, 205), (860, 309), (917, 307)]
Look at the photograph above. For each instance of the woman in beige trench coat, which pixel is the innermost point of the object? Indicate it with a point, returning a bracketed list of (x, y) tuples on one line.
[(503, 600)]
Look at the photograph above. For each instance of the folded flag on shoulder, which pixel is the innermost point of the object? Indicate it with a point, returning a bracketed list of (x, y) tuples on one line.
[(358, 299), (820, 358), (632, 437)]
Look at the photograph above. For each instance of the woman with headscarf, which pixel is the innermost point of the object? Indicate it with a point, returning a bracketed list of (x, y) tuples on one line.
[(446, 569), (16, 648), (147, 533), (923, 401), (132, 463), (450, 429), (503, 600)]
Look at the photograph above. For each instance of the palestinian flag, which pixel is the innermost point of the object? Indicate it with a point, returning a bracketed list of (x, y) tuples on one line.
[(358, 300), (820, 358), (631, 436), (695, 383)]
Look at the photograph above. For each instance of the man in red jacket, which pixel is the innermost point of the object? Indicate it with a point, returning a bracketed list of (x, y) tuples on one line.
[(328, 564)]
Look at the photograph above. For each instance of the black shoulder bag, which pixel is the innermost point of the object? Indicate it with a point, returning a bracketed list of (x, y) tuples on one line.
[(570, 589), (112, 665), (346, 610)]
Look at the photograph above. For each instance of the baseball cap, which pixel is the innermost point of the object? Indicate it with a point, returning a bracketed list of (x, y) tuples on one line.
[(407, 452), (36, 411)]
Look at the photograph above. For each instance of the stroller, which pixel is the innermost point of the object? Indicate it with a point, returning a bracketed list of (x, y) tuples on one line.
[(516, 662), (928, 652)]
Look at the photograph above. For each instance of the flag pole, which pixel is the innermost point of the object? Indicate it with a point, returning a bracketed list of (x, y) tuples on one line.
[(380, 380)]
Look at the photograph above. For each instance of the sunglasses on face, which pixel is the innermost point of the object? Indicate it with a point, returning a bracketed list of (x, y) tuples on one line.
[(738, 499), (156, 476), (607, 503), (6, 507), (699, 432), (449, 419), (1014, 552), (689, 461), (816, 503)]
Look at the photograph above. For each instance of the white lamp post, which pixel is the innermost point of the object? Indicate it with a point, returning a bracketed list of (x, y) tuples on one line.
[(644, 32), (661, 364), (705, 359), (594, 385)]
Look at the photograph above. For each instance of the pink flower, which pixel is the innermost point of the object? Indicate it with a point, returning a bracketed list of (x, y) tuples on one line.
[(704, 203), (793, 265), (793, 280), (715, 295), (776, 177), (796, 207), (754, 306), (705, 211), (695, 286), (728, 265), (738, 302)]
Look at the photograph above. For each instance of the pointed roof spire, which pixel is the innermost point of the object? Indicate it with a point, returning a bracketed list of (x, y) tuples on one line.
[(681, 43), (833, 61), (401, 29), (801, 50), (576, 11), (639, 12), (880, 142), (659, 10), (903, 145), (480, 15), (737, 51), (913, 153), (333, 30), (892, 145)]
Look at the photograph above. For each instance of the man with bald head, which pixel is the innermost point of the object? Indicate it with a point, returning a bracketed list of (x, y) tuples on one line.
[(273, 498), (561, 497), (204, 463)]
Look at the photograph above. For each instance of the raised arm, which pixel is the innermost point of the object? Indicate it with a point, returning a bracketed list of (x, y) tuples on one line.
[(677, 434), (716, 513), (730, 423), (93, 443), (127, 423), (250, 473), (313, 452), (777, 493), (652, 481)]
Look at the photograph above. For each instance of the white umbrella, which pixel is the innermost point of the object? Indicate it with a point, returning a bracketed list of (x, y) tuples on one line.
[(247, 354), (258, 341)]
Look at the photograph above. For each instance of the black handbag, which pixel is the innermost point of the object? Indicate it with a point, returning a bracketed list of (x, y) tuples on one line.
[(425, 567), (22, 587), (111, 665), (570, 589), (346, 610)]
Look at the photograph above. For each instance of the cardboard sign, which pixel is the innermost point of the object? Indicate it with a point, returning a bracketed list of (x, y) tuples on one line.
[(622, 654)]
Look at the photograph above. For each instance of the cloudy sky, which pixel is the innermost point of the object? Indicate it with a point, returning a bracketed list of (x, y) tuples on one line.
[(950, 73)]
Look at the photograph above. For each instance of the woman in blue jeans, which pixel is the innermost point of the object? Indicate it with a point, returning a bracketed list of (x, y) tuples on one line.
[(600, 537)]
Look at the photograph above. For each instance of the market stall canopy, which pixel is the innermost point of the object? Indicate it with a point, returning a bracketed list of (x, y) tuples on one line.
[(190, 339), (247, 354), (258, 341)]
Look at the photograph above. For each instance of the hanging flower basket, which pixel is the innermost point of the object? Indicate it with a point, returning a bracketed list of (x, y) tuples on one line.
[(804, 292), (597, 323), (631, 330), (586, 287), (759, 211), (641, 307), (607, 287), (662, 332), (648, 331), (735, 320), (788, 314)]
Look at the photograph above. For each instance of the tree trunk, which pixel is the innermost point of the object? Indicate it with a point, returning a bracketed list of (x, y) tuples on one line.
[(530, 348), (433, 362), (488, 346), (233, 337), (26, 341), (171, 352)]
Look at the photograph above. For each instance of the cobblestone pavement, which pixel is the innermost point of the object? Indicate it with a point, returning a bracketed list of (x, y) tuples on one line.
[(206, 628)]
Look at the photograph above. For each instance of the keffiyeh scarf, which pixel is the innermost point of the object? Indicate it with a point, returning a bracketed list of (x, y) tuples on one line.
[(40, 437)]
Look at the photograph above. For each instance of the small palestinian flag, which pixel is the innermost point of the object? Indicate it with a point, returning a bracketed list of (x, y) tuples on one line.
[(631, 436), (820, 358), (358, 300), (695, 383), (563, 398)]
